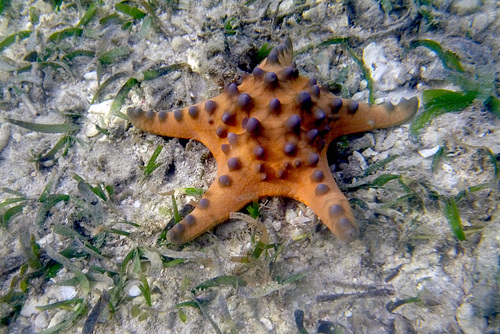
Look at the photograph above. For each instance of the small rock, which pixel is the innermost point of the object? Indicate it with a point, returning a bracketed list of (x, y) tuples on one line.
[(468, 322), (386, 74), (485, 292), (363, 84), (434, 70), (98, 114), (29, 307), (368, 153), (67, 292), (276, 225), (315, 13), (101, 108), (4, 135), (90, 75), (323, 61), (360, 96), (133, 290), (46, 240), (464, 7), (179, 44), (267, 323), (482, 21), (300, 221), (298, 233), (290, 214), (365, 142), (17, 137), (360, 159), (389, 141), (41, 320), (57, 318)]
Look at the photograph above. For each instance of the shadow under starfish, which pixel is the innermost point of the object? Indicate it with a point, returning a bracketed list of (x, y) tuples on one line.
[(269, 137)]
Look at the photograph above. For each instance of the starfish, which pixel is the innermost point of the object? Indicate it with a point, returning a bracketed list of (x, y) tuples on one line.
[(270, 137)]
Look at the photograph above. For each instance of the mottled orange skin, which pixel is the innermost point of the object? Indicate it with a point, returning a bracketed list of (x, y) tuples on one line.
[(264, 166)]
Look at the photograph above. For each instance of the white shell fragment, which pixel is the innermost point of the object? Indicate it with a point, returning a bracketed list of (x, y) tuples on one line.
[(133, 289), (67, 292), (429, 152)]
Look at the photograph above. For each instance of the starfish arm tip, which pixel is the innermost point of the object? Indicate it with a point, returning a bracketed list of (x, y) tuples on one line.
[(410, 106), (347, 230), (339, 219), (280, 56), (329, 204), (222, 198)]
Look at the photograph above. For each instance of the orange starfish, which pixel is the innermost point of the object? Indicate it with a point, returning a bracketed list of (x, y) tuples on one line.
[(270, 136)]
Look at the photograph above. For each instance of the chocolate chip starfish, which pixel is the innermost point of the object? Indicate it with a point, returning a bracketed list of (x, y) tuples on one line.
[(270, 136)]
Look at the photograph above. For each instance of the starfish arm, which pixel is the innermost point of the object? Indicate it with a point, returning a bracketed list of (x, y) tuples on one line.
[(208, 122), (189, 123), (178, 123), (354, 117), (320, 192), (230, 192)]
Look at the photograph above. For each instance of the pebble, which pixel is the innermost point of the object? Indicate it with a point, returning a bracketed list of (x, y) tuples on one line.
[(133, 290), (389, 141), (368, 153), (290, 214), (464, 7), (386, 74), (482, 21), (41, 320), (468, 322), (17, 137), (179, 44), (434, 70), (98, 114), (58, 318), (101, 108), (300, 221), (47, 239), (90, 75), (267, 323), (29, 307), (67, 292), (363, 84), (4, 135), (360, 159), (276, 225), (323, 61)]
